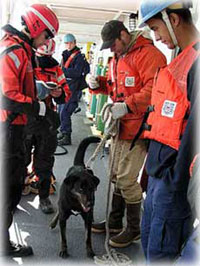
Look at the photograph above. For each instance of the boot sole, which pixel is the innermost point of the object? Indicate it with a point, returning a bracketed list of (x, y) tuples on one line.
[(123, 245), (112, 231)]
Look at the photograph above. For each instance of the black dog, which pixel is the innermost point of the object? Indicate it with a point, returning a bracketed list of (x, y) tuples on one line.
[(77, 195)]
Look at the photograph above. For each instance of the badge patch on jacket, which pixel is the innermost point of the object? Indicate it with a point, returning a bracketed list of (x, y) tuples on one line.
[(168, 108), (130, 81)]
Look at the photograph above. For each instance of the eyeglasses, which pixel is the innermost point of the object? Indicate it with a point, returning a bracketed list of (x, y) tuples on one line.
[(47, 36)]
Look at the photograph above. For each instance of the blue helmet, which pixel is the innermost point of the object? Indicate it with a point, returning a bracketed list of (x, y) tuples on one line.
[(69, 38), (150, 8)]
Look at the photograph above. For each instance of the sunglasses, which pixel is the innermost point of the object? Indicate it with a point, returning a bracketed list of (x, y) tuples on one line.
[(47, 36)]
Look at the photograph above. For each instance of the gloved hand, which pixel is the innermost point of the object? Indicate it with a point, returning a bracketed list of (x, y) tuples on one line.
[(118, 110), (53, 118), (93, 83)]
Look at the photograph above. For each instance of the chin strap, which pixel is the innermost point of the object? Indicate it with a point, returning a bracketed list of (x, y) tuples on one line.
[(169, 26)]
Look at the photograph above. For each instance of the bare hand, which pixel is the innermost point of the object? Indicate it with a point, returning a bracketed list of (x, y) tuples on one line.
[(56, 93)]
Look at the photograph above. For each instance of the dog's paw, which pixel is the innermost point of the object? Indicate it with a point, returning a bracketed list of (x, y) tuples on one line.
[(90, 253), (63, 254)]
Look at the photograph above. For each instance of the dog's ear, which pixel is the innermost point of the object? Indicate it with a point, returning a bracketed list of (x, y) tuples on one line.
[(95, 181), (70, 178)]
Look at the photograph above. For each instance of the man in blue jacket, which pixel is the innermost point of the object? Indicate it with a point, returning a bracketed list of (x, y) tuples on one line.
[(73, 66)]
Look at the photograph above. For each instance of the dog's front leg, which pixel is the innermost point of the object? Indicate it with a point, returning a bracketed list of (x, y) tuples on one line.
[(88, 225), (63, 252)]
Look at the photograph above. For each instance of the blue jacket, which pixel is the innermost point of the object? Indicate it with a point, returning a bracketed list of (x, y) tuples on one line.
[(74, 73)]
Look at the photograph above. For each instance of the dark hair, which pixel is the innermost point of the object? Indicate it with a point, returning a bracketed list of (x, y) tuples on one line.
[(185, 14)]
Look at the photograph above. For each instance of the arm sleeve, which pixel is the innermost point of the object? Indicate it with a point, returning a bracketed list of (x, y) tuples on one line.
[(147, 62), (11, 69), (103, 86)]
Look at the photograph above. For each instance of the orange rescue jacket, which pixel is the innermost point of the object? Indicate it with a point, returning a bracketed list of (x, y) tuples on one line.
[(16, 75), (130, 79), (167, 122)]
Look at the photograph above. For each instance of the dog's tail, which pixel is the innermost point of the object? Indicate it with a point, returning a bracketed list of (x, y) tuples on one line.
[(80, 153)]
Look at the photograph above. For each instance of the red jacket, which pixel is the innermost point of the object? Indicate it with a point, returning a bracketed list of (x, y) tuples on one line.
[(130, 79), (169, 98), (16, 75)]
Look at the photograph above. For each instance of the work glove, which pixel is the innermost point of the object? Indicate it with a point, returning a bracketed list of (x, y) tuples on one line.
[(119, 110), (93, 83)]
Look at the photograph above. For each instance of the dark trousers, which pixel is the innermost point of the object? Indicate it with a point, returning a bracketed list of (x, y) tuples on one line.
[(166, 222), (65, 111), (44, 147), (12, 173)]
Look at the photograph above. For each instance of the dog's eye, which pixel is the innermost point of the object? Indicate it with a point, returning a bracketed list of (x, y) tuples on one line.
[(81, 190)]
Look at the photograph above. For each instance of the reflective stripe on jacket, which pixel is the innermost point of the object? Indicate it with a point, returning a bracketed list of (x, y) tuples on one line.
[(169, 98), (16, 75), (130, 79)]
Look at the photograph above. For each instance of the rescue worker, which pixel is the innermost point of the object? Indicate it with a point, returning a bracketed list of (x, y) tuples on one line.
[(41, 136), (73, 63), (129, 84), (18, 100), (167, 220)]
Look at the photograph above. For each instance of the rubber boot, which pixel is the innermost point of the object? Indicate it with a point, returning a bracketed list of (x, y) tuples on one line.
[(115, 218), (66, 140), (132, 231)]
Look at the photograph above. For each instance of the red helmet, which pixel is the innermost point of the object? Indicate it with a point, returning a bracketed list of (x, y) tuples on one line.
[(47, 49), (39, 18)]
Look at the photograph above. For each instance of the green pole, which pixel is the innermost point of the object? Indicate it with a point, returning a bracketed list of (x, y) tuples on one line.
[(102, 99)]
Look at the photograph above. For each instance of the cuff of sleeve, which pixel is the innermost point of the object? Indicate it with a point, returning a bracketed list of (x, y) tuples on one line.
[(42, 110), (131, 107)]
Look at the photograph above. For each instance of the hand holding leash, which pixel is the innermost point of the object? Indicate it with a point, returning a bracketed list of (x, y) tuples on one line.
[(119, 110)]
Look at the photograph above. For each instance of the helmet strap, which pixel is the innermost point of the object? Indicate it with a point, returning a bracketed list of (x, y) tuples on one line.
[(169, 26)]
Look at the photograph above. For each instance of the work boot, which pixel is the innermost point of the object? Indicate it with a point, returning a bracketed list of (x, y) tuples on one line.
[(66, 140), (17, 250), (115, 218), (46, 206), (132, 231), (60, 135)]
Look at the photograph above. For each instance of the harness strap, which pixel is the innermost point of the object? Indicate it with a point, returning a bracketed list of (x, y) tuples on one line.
[(143, 126)]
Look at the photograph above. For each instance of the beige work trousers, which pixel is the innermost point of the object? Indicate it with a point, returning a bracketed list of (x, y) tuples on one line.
[(126, 166)]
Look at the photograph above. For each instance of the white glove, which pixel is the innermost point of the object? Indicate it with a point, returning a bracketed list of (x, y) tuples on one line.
[(93, 83), (118, 110)]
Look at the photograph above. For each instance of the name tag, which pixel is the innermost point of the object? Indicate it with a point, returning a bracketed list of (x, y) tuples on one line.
[(130, 81), (168, 108)]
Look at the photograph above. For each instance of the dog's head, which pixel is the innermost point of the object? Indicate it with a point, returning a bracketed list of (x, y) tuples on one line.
[(81, 184)]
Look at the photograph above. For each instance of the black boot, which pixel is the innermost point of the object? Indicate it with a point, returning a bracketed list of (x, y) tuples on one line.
[(115, 218), (66, 140), (17, 250), (46, 206), (132, 231)]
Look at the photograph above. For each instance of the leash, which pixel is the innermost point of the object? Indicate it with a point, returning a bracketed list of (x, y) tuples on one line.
[(65, 151), (111, 257)]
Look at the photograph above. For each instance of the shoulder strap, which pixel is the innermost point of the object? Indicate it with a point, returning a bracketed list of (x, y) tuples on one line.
[(71, 57)]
